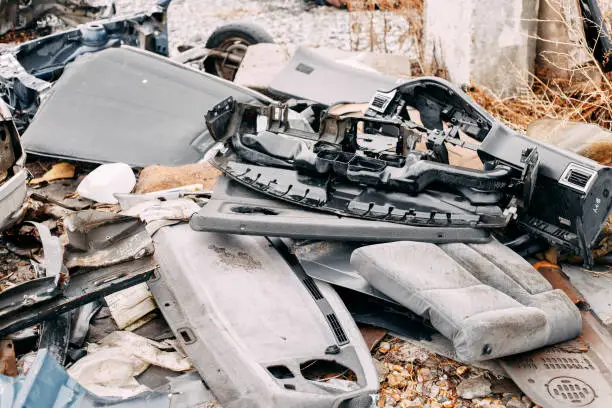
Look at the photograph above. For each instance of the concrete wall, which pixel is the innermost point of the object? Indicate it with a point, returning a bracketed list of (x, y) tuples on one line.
[(490, 43), (561, 54)]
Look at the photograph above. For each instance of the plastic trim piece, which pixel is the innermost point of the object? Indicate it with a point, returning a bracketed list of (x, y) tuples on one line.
[(235, 209), (238, 307)]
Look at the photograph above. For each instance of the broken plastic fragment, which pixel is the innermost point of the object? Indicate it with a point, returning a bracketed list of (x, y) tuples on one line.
[(106, 180)]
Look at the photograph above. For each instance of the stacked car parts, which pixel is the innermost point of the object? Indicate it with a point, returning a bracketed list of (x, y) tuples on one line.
[(314, 213)]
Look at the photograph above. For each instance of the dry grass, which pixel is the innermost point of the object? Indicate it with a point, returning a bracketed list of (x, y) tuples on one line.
[(581, 92), (550, 101), (590, 102), (370, 26), (366, 15)]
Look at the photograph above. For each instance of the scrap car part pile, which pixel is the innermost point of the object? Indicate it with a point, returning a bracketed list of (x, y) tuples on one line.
[(404, 213), (553, 194), (28, 70), (19, 15)]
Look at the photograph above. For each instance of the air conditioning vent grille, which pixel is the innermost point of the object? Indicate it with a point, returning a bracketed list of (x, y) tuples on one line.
[(578, 178), (312, 288), (379, 102), (336, 327)]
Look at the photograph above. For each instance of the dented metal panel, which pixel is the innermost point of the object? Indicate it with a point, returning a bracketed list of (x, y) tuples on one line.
[(97, 239), (83, 287)]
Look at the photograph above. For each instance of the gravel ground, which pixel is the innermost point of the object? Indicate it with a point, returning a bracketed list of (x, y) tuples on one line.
[(288, 21)]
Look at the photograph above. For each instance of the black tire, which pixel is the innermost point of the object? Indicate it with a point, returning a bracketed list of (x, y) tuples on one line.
[(234, 35)]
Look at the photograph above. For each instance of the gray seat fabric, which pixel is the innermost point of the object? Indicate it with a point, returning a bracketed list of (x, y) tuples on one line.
[(485, 298)]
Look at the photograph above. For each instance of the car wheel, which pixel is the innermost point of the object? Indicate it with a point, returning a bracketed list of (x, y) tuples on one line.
[(232, 40)]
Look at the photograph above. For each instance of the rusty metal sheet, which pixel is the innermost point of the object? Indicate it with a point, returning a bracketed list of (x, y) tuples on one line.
[(8, 362), (577, 373), (372, 335), (559, 280)]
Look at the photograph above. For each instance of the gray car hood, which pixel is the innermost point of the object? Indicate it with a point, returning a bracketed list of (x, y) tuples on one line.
[(131, 106)]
